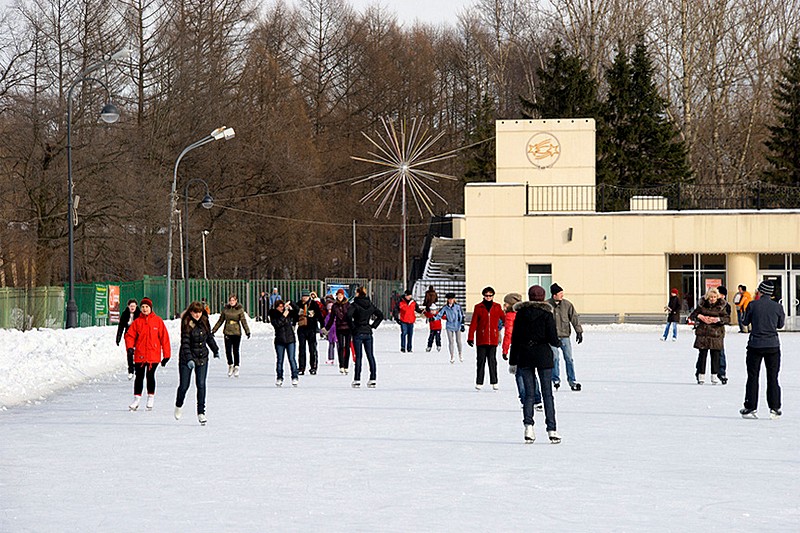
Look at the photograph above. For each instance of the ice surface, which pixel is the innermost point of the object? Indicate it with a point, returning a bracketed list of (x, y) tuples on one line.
[(645, 448)]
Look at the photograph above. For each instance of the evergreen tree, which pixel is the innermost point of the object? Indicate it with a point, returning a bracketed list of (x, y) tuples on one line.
[(565, 88), (480, 165), (784, 141)]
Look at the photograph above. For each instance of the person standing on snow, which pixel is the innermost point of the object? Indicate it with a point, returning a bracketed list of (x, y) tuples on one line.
[(282, 318), (711, 317), (146, 340), (407, 315), (453, 325), (196, 338), (565, 314), (233, 317), (486, 318), (766, 317), (360, 318), (673, 310), (127, 317), (533, 338)]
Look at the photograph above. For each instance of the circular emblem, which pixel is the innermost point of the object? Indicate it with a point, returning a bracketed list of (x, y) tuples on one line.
[(543, 150)]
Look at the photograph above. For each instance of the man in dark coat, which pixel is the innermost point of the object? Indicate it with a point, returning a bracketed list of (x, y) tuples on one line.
[(533, 336), (309, 320), (766, 317)]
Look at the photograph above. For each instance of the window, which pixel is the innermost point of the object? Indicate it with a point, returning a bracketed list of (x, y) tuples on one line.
[(540, 275), (694, 274)]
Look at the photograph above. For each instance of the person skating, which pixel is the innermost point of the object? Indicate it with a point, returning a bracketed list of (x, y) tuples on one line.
[(282, 318), (710, 318), (485, 329), (363, 317), (453, 324), (146, 340), (741, 300), (126, 318), (565, 315), (435, 327), (509, 301), (263, 307), (328, 331), (532, 339), (309, 318), (673, 310), (234, 319), (407, 315), (196, 339), (337, 319), (765, 317)]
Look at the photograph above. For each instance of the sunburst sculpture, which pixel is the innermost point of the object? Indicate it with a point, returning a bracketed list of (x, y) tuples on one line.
[(403, 152)]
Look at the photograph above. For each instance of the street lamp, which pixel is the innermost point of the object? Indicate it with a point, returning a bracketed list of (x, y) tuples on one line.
[(208, 203), (109, 115), (205, 272), (217, 134)]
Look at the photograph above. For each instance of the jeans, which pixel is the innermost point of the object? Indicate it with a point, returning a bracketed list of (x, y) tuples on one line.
[(537, 391), (406, 334), (566, 347), (674, 330), (307, 336), (232, 349), (454, 337), (723, 364), (740, 316), (487, 353), (435, 336), (529, 380), (200, 373), (363, 343), (772, 362), (287, 349)]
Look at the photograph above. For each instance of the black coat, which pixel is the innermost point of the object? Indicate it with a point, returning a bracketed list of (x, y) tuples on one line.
[(534, 333), (339, 312), (284, 332), (359, 315), (125, 321), (674, 307), (196, 337), (312, 312)]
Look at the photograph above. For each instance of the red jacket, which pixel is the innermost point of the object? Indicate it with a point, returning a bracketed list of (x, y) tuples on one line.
[(436, 325), (408, 311), (487, 324), (148, 336), (509, 329)]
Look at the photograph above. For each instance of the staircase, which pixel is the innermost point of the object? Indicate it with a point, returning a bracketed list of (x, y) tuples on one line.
[(444, 269)]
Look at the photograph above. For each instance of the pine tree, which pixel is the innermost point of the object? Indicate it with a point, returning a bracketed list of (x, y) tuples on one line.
[(480, 165), (565, 88), (784, 141)]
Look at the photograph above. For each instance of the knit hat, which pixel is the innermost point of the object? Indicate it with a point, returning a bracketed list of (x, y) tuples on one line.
[(340, 291), (450, 295), (674, 292), (407, 293), (536, 293), (722, 290), (512, 298), (555, 288), (147, 301), (305, 292), (434, 307), (766, 288)]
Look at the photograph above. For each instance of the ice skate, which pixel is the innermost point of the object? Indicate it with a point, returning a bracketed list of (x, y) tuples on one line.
[(341, 370), (555, 438), (663, 338), (460, 358), (575, 386), (723, 380), (775, 414), (530, 436), (135, 404), (130, 375), (539, 407), (748, 413), (556, 385), (278, 382), (371, 384), (714, 379), (202, 419), (151, 400), (295, 382), (236, 371), (356, 384), (701, 378), (495, 386), (674, 339), (438, 348), (478, 387), (346, 371), (178, 412), (428, 349), (230, 370), (452, 360)]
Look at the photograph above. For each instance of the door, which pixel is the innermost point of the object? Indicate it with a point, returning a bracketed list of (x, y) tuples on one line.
[(780, 296)]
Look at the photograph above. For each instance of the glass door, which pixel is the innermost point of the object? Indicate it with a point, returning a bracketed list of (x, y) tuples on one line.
[(779, 281)]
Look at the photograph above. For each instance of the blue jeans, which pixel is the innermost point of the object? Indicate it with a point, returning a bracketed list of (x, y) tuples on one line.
[(363, 343), (289, 350), (566, 347), (674, 330), (537, 391), (529, 380), (406, 334), (185, 373), (723, 364)]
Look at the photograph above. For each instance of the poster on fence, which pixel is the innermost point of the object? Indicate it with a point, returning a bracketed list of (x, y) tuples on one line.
[(100, 303), (113, 304)]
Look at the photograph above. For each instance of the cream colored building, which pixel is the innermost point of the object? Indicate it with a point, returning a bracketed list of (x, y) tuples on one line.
[(539, 224)]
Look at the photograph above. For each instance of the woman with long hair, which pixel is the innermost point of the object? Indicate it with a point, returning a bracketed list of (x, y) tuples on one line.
[(196, 339), (148, 345), (126, 318), (282, 317), (233, 317)]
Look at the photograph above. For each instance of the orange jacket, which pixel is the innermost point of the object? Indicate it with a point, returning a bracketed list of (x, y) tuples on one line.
[(486, 324), (744, 301), (149, 338)]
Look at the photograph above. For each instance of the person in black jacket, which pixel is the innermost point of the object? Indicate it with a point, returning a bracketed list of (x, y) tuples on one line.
[(196, 338), (309, 319), (360, 317), (282, 317), (126, 318), (673, 310), (534, 334)]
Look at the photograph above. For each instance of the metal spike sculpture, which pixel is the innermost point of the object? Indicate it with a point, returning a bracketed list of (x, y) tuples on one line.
[(403, 152)]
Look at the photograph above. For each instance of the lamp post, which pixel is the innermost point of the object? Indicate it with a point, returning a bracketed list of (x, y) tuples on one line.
[(109, 115), (217, 134), (208, 203), (205, 271)]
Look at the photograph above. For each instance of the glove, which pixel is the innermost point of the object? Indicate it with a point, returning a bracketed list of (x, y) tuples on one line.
[(512, 369), (579, 338), (216, 355), (471, 344), (505, 357), (164, 361)]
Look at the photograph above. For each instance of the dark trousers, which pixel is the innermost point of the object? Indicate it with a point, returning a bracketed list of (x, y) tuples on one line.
[(701, 361), (529, 380), (772, 362), (138, 382), (307, 335), (343, 339), (363, 343), (435, 336), (232, 343), (487, 354), (200, 373)]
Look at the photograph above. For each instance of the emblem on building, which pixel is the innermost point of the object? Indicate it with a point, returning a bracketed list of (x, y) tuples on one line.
[(543, 150)]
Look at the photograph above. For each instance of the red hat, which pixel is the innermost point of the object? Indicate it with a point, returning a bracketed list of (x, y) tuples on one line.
[(147, 301), (674, 291), (340, 291)]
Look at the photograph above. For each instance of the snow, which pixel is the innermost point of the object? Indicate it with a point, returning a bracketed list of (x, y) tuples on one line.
[(645, 448)]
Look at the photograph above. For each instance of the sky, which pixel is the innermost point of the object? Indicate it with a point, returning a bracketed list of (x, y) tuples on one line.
[(429, 11)]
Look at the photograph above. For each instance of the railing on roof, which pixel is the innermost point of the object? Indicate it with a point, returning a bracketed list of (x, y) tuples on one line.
[(675, 197)]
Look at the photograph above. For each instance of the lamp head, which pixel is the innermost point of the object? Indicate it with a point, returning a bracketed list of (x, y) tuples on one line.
[(109, 113), (208, 201)]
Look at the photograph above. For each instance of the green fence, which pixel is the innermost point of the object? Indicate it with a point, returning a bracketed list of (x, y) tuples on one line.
[(38, 307)]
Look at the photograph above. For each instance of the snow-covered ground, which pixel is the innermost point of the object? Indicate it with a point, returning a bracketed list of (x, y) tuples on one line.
[(645, 448)]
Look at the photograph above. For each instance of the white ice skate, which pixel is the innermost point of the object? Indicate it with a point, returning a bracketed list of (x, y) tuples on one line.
[(371, 384), (151, 400), (135, 403), (178, 412), (202, 419), (236, 371), (230, 370), (530, 436), (555, 438)]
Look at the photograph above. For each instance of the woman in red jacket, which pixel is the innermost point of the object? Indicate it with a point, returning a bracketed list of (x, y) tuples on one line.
[(146, 340), (485, 322)]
